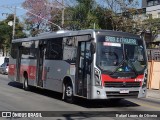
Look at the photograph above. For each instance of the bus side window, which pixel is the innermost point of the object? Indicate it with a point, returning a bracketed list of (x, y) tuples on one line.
[(14, 50), (69, 49), (54, 49)]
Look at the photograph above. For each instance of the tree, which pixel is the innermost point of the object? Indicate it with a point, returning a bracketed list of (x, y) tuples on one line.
[(56, 15), (104, 16), (152, 27), (81, 15), (5, 36), (6, 33), (19, 27), (110, 14), (38, 14), (117, 14)]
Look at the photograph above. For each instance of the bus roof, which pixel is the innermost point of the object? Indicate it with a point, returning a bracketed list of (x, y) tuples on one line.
[(63, 33)]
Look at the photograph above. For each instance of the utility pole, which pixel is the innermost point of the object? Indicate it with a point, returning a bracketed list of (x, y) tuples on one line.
[(14, 23), (62, 13), (14, 19)]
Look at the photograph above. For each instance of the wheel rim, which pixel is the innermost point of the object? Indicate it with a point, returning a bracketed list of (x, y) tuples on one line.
[(25, 83), (69, 91)]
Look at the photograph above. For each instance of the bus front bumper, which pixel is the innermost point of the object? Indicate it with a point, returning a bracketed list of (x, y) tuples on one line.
[(107, 93)]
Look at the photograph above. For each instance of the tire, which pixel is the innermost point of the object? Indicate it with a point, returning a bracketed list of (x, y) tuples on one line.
[(68, 93), (25, 84)]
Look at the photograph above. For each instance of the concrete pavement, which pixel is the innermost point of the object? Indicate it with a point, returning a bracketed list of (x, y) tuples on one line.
[(153, 94)]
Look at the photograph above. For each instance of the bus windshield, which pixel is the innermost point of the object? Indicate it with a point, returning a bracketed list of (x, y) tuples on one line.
[(117, 53)]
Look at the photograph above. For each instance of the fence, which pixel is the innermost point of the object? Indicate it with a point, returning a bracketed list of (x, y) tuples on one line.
[(153, 54), (153, 68)]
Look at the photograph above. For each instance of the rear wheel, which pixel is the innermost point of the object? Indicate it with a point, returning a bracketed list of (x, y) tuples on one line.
[(68, 93), (25, 84)]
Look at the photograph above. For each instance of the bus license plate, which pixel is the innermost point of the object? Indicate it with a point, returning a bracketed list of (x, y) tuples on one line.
[(124, 91)]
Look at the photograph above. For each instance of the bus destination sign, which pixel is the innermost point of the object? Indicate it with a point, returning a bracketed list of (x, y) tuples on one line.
[(121, 40)]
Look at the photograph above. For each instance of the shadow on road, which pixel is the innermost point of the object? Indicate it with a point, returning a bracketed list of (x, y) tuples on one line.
[(79, 101), (15, 84), (104, 103)]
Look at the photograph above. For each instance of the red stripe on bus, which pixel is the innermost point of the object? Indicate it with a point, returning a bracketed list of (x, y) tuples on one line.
[(44, 73), (12, 69), (107, 78), (31, 70)]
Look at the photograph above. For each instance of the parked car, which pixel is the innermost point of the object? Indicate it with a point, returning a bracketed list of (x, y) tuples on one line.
[(4, 68), (4, 60)]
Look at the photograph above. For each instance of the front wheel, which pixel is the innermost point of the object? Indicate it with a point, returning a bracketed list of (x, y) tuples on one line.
[(68, 93)]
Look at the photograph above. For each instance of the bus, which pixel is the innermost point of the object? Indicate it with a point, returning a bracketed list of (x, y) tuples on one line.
[(92, 64)]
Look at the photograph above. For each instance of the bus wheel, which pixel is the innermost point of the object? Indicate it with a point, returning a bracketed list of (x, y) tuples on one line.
[(25, 84), (68, 93)]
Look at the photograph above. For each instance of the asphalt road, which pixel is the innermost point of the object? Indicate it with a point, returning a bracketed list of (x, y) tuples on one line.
[(14, 98)]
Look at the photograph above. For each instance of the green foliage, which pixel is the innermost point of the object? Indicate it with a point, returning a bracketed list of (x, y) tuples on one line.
[(153, 25), (6, 32), (82, 15), (89, 15)]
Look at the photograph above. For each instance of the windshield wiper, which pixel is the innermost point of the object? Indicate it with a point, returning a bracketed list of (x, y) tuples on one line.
[(130, 63), (119, 66), (124, 65)]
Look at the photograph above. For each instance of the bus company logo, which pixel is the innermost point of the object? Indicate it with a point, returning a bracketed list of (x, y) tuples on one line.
[(6, 114), (124, 84)]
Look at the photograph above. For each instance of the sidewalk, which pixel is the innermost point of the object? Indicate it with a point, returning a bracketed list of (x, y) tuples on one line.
[(153, 94)]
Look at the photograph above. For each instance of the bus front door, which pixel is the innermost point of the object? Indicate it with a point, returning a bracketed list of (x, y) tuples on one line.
[(40, 60), (83, 68)]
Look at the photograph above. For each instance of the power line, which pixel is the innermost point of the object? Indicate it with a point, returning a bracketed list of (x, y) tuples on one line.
[(15, 4), (41, 17)]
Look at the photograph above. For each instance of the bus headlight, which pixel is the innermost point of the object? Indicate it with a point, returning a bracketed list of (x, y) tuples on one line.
[(97, 77)]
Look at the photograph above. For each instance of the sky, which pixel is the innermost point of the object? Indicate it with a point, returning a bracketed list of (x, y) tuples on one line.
[(11, 3), (19, 12)]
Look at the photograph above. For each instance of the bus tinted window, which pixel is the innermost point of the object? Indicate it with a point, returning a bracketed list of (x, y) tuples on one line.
[(29, 50), (54, 49), (14, 49), (69, 48), (112, 51), (6, 60)]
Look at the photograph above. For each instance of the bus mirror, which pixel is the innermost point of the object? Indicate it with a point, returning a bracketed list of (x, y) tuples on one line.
[(93, 47)]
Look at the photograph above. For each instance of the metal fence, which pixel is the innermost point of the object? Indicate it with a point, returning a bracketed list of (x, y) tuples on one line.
[(153, 54)]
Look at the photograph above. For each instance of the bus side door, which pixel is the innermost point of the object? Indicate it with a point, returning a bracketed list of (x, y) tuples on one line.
[(40, 63), (18, 63)]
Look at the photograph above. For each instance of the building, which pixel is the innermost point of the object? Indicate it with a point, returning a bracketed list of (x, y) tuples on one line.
[(152, 8)]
